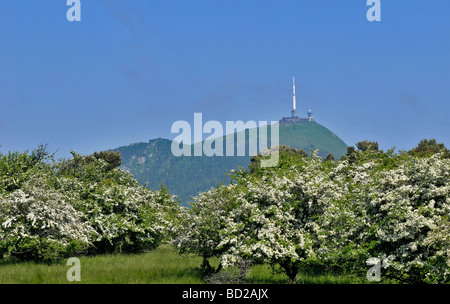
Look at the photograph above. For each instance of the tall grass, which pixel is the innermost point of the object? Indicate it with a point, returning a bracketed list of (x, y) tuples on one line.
[(161, 266)]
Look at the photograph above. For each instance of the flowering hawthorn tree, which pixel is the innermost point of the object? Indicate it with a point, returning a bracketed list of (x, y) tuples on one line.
[(82, 203), (274, 222), (201, 230), (41, 224), (260, 220), (396, 208), (332, 214)]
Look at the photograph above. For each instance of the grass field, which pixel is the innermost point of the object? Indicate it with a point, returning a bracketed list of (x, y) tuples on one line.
[(161, 266)]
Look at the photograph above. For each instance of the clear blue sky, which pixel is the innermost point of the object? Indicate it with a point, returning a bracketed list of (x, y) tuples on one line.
[(129, 69)]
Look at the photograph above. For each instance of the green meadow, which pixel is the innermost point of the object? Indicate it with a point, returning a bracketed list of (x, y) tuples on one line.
[(161, 266)]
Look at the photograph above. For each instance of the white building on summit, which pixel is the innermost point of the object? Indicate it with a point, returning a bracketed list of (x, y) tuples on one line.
[(294, 118)]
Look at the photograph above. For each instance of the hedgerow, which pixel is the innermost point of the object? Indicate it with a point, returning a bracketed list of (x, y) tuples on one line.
[(51, 209), (333, 215)]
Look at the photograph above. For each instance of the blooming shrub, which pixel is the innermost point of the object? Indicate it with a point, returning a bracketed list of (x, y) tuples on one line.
[(267, 219), (335, 215), (200, 231), (16, 168), (82, 203), (411, 202), (41, 224), (275, 220), (392, 212), (126, 219)]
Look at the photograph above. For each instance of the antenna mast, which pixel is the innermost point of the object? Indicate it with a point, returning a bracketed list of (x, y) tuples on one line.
[(294, 103)]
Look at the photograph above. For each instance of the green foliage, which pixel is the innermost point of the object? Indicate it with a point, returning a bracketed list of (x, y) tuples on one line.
[(287, 157), (263, 217), (330, 157), (16, 168), (200, 231), (41, 225), (304, 215), (84, 204), (391, 210), (112, 158), (367, 145), (429, 147), (365, 149), (312, 215)]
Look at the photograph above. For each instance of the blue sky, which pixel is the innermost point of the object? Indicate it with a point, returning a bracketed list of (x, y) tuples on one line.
[(130, 69)]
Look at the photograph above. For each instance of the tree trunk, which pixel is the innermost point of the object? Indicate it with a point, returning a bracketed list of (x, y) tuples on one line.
[(290, 269)]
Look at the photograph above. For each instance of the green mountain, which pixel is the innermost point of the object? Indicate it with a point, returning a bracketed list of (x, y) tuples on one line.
[(153, 162), (311, 136)]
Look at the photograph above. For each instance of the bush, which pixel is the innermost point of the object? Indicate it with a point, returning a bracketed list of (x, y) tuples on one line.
[(332, 216), (112, 158), (16, 168), (56, 209), (268, 219), (41, 225), (126, 216), (391, 210), (200, 230)]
